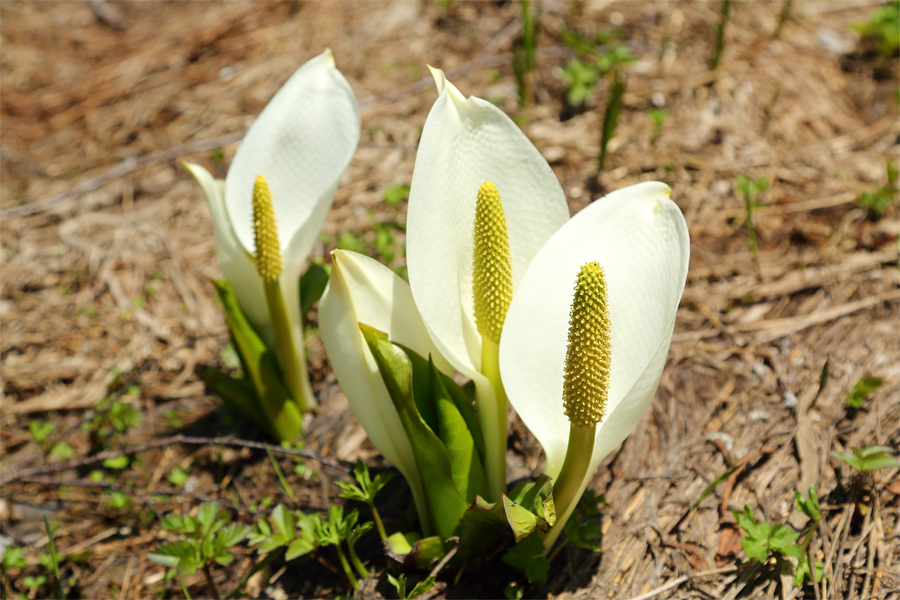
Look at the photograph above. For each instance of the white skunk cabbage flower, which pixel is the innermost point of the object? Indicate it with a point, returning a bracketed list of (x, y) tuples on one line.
[(466, 142), (362, 290), (639, 238), (301, 144)]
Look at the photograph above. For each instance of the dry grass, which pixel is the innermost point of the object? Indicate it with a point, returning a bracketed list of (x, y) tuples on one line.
[(106, 267)]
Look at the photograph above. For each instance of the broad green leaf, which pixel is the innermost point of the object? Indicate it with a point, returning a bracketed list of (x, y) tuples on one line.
[(413, 552), (224, 558), (517, 517), (537, 497), (312, 285), (237, 392), (281, 412), (445, 504), (172, 523), (453, 430)]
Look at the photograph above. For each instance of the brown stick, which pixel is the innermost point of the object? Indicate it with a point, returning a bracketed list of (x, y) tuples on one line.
[(175, 439)]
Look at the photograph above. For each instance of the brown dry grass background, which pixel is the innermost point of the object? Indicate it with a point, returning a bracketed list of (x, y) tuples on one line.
[(107, 252)]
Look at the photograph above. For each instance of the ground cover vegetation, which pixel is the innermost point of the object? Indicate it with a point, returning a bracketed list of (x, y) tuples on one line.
[(767, 463)]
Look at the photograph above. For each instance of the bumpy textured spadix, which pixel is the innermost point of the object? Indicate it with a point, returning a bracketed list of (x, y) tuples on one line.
[(268, 252), (586, 385), (492, 263)]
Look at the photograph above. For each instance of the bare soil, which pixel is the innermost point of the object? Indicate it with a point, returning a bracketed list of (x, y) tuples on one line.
[(107, 256)]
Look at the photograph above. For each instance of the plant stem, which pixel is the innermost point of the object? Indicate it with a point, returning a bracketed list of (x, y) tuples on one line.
[(184, 589), (357, 564), (378, 524), (292, 366), (720, 35), (346, 566), (572, 477), (494, 441)]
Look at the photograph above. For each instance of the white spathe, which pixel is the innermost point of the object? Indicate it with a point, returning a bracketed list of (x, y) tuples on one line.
[(362, 290), (301, 143), (640, 238), (466, 142)]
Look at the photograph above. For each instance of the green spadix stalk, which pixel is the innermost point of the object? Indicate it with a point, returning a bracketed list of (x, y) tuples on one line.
[(586, 384), (492, 290), (269, 264)]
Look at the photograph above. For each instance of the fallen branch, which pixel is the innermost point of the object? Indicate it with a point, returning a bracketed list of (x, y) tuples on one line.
[(175, 439)]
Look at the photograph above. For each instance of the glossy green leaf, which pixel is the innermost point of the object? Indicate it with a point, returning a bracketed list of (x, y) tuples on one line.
[(312, 285), (413, 552), (281, 412), (402, 379), (453, 430)]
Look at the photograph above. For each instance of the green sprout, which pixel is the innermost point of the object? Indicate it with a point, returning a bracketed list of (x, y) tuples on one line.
[(724, 15), (207, 539), (866, 460), (883, 28), (611, 116), (877, 201), (399, 584), (366, 491), (750, 189), (860, 392)]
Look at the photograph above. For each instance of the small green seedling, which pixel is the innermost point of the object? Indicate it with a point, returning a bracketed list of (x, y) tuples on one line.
[(860, 392), (764, 540), (866, 460), (877, 201), (396, 193), (658, 118), (366, 491), (611, 116), (399, 583), (580, 78), (14, 558), (750, 189), (53, 561), (40, 430), (111, 417), (339, 529), (724, 15), (528, 557), (209, 536), (523, 53), (883, 28)]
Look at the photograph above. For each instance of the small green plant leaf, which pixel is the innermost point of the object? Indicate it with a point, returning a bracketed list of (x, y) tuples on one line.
[(395, 194), (528, 556), (14, 558), (860, 392), (312, 285), (809, 506), (868, 459), (116, 462)]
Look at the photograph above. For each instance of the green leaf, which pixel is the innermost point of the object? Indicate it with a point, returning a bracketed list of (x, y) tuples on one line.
[(118, 499), (528, 556), (170, 554), (521, 521), (351, 491), (284, 521), (239, 393), (224, 558), (14, 558), (862, 389), (804, 572), (312, 285), (868, 459), (583, 528), (116, 462), (466, 464), (206, 516), (422, 587), (395, 194), (403, 380), (62, 450), (282, 417), (809, 506), (231, 535), (399, 584), (177, 476)]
